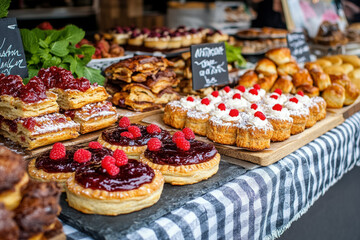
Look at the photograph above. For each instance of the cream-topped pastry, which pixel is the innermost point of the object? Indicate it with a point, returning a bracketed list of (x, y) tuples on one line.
[(272, 99), (226, 92), (314, 108), (189, 102), (282, 96), (205, 106), (299, 113), (220, 110), (252, 95), (197, 118), (215, 97), (280, 119), (237, 102)]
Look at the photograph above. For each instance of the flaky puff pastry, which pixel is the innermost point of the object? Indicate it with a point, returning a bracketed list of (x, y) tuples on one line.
[(302, 78), (334, 96), (313, 66), (175, 115), (322, 107), (267, 81), (279, 55), (284, 83), (282, 129), (185, 174), (309, 90), (321, 79), (12, 198), (221, 131), (248, 79), (266, 67), (197, 122), (253, 139), (351, 91), (289, 68), (103, 202), (131, 151)]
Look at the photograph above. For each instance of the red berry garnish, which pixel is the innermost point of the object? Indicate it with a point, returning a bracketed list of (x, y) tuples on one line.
[(254, 106), (205, 101), (301, 93), (227, 89), (154, 144), (253, 91), (222, 107), (107, 161), (153, 128), (95, 145), (135, 131), (58, 151), (190, 99), (124, 122), (260, 115), (82, 156), (274, 96), (215, 93), (183, 144), (237, 96), (113, 170), (178, 134), (127, 134), (294, 99), (120, 157), (277, 107), (278, 91), (234, 113), (257, 86), (241, 88), (189, 134)]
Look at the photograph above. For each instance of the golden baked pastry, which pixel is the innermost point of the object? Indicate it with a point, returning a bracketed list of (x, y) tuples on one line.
[(302, 77), (313, 66), (351, 93), (197, 121), (299, 113), (351, 59), (310, 91), (321, 79), (322, 107), (335, 60), (248, 79), (289, 68), (279, 55), (323, 63), (334, 95), (175, 112), (284, 83), (267, 81), (266, 67), (281, 122)]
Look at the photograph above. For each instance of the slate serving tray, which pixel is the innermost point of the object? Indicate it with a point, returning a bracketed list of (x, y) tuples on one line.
[(116, 227)]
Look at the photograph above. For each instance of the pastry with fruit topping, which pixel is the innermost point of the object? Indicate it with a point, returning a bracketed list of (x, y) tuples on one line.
[(182, 160), (136, 39), (60, 162), (120, 36), (175, 112), (131, 138), (322, 107), (237, 102), (299, 113), (314, 108), (152, 40), (22, 101), (216, 36), (93, 116), (175, 40), (39, 131), (197, 118), (280, 119), (116, 185), (13, 178), (255, 133)]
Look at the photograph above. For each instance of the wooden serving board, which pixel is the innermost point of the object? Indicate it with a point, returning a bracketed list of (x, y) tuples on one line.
[(347, 111), (276, 151)]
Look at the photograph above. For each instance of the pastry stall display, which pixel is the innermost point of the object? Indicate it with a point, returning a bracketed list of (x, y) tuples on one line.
[(330, 34)]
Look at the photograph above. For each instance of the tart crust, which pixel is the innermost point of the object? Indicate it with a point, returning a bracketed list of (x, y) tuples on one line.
[(185, 174), (103, 202)]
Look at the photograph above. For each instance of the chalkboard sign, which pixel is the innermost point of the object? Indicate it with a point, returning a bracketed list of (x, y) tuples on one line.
[(208, 65), (299, 48), (12, 57)]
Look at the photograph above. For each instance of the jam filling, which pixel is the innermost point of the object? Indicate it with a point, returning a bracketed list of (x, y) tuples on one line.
[(68, 164), (113, 136), (169, 154), (131, 176)]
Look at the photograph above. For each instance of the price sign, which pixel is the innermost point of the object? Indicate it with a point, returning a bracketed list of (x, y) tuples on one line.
[(299, 48), (208, 65)]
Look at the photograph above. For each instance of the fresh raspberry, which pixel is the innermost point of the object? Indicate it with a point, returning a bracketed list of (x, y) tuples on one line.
[(254, 106), (95, 145), (278, 91), (124, 122), (301, 93), (58, 151), (135, 131), (183, 144), (234, 113), (205, 101), (215, 93), (107, 161), (190, 99), (253, 91), (274, 96), (82, 156), (222, 107), (227, 89), (237, 96), (257, 86), (113, 170), (178, 134), (153, 128), (154, 144), (127, 134), (120, 157), (277, 107), (241, 88), (189, 134), (260, 115), (294, 99)]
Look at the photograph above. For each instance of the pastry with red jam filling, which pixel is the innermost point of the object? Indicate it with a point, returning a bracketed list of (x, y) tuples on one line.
[(131, 138), (117, 185), (182, 160)]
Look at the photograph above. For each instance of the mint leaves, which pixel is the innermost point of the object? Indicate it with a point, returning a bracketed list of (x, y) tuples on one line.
[(233, 54), (46, 48), (4, 6)]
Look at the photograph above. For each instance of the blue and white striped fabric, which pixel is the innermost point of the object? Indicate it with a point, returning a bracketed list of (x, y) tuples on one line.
[(262, 203)]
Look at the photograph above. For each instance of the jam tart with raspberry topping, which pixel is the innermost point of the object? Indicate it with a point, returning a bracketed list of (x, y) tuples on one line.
[(182, 160)]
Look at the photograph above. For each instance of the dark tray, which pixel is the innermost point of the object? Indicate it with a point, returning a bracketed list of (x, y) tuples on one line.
[(109, 227)]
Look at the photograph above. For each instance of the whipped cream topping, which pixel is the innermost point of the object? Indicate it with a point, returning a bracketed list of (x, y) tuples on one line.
[(258, 123), (213, 99), (219, 113), (284, 114), (225, 95), (205, 108), (237, 103), (270, 100), (303, 99), (297, 108), (229, 118), (188, 104), (252, 98)]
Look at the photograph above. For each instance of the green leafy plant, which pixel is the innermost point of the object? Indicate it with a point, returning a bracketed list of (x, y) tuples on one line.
[(4, 6), (46, 48), (233, 54)]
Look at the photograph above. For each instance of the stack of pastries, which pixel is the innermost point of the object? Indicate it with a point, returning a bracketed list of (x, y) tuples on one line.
[(142, 83), (28, 209), (30, 113), (246, 117)]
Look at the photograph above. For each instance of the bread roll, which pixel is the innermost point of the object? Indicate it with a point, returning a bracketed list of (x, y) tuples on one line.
[(266, 82), (352, 59), (323, 63), (335, 60), (334, 96), (356, 82), (289, 68), (308, 90), (248, 79), (354, 73), (279, 55), (341, 79), (321, 79), (351, 93), (266, 67), (347, 67), (302, 78), (313, 66), (335, 70), (284, 83)]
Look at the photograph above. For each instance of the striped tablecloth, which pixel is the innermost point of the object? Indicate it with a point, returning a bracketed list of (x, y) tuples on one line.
[(262, 203)]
